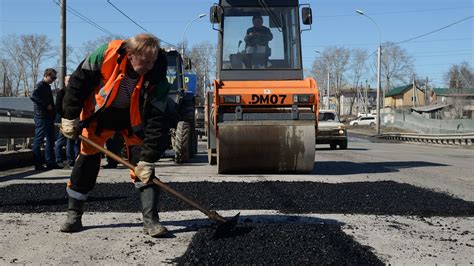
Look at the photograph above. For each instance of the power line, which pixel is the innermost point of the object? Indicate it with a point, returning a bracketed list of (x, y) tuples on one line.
[(442, 28), (84, 18), (397, 12), (134, 22), (125, 15)]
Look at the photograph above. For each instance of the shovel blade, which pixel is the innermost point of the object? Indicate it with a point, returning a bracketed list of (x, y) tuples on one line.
[(224, 228)]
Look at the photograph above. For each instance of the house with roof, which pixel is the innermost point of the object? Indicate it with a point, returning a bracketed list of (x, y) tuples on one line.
[(404, 97), (460, 101)]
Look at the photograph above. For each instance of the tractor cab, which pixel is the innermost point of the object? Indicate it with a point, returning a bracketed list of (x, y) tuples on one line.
[(259, 39)]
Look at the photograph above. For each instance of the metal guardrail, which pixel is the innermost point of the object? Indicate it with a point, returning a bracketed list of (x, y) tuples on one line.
[(445, 139), (13, 133)]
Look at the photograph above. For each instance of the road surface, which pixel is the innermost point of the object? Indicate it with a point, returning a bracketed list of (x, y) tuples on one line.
[(396, 203)]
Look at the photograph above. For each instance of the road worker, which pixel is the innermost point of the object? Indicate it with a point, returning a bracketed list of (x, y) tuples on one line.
[(121, 86)]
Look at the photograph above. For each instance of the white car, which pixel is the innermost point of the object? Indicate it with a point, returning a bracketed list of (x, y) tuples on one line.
[(364, 121)]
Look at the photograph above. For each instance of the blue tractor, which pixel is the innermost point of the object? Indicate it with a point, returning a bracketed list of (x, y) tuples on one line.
[(183, 136)]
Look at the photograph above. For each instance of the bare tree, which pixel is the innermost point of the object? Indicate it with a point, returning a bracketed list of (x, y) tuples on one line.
[(396, 65), (25, 54), (35, 48), (204, 64), (459, 77), (6, 81), (336, 61), (11, 50), (358, 69)]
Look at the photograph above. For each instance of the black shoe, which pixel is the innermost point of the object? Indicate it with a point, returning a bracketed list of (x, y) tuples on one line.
[(109, 166), (40, 168), (53, 166)]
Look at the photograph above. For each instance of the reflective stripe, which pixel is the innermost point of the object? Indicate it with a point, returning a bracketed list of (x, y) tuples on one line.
[(76, 195)]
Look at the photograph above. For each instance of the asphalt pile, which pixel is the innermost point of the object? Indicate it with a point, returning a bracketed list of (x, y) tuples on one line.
[(380, 198), (281, 244)]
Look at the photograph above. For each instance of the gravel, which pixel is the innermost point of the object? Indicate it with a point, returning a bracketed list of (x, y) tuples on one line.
[(381, 198), (281, 244)]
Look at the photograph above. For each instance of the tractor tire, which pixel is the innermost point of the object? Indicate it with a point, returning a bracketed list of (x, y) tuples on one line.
[(182, 142)]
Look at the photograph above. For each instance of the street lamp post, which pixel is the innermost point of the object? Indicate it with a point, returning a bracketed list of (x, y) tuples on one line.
[(379, 54), (184, 32)]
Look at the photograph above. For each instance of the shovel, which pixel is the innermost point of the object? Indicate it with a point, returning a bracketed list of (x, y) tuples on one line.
[(224, 225)]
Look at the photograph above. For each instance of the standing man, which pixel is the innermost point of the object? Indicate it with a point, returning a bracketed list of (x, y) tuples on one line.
[(61, 140), (121, 86), (44, 114)]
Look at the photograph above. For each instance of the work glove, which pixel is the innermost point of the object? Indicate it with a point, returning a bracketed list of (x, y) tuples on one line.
[(145, 171), (70, 128)]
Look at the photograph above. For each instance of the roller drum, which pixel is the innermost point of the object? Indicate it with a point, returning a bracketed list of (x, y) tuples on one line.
[(266, 147)]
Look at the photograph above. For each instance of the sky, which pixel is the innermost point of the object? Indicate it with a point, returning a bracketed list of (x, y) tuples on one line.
[(335, 23)]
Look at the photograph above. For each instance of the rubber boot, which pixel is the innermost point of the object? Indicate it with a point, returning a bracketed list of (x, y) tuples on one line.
[(151, 224), (74, 214)]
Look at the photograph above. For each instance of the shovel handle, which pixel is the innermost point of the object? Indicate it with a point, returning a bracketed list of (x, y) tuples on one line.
[(211, 215)]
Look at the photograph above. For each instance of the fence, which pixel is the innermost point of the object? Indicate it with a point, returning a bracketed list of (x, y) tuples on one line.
[(408, 121)]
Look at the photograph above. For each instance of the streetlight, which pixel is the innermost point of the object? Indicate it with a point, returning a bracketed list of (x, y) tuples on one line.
[(184, 32), (379, 53), (327, 99)]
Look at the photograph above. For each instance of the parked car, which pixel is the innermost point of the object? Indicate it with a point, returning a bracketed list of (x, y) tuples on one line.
[(330, 130), (364, 121)]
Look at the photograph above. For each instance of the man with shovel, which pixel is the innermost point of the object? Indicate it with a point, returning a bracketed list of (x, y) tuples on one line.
[(121, 86)]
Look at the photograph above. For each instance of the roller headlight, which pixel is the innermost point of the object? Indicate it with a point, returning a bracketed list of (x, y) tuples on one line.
[(302, 98), (230, 99)]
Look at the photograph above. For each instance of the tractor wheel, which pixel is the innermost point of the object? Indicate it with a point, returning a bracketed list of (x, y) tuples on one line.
[(182, 142)]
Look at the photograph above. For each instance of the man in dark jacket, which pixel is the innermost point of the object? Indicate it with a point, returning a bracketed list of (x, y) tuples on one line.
[(61, 140), (256, 44), (44, 114), (121, 86)]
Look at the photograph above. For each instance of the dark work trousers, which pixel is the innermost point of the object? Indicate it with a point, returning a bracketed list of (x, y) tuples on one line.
[(44, 128), (86, 169), (115, 145)]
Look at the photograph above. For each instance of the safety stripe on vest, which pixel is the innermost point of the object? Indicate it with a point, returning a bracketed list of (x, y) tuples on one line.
[(76, 195)]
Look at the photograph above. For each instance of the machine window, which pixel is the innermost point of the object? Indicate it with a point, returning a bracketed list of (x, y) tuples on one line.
[(260, 38)]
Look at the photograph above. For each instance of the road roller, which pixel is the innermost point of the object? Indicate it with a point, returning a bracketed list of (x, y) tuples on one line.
[(261, 114)]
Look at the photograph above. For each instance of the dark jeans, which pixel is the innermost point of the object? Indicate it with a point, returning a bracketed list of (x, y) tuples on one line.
[(62, 141), (44, 128), (115, 145)]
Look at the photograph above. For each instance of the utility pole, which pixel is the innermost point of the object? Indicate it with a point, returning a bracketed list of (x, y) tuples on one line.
[(327, 99), (427, 97), (62, 49), (366, 96), (414, 92)]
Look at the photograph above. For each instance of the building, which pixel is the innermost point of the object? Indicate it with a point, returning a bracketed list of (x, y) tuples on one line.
[(404, 97), (460, 102)]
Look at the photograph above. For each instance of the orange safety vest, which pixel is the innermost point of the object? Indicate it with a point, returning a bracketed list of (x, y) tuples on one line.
[(112, 74)]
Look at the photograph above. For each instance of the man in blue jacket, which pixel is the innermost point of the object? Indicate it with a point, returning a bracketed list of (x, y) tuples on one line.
[(44, 114)]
